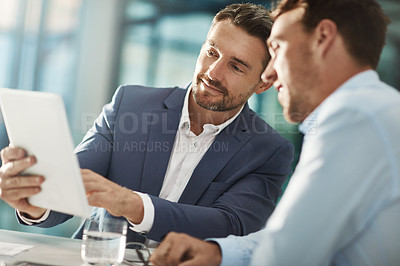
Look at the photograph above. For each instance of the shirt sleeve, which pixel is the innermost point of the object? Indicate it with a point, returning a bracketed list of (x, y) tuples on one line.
[(237, 250), (29, 221), (148, 216)]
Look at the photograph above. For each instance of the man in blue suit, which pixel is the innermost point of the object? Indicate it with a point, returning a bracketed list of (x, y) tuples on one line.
[(193, 160)]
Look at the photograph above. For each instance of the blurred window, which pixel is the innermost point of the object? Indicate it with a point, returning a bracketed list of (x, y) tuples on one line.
[(38, 51)]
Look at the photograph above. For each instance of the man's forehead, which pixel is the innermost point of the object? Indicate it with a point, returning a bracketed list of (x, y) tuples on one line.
[(285, 22)]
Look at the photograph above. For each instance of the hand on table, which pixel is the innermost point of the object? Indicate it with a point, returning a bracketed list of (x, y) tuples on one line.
[(184, 250), (117, 200), (16, 188)]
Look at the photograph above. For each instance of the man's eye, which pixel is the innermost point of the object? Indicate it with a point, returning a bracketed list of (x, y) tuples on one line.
[(273, 46), (210, 53), (273, 50), (237, 69), (271, 53)]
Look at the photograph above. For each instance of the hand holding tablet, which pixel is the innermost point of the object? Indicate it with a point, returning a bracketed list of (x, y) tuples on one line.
[(37, 122)]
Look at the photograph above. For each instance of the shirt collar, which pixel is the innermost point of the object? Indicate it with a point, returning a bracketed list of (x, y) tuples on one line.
[(184, 124), (309, 125)]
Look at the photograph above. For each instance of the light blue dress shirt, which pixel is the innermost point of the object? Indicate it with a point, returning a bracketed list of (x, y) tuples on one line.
[(342, 205)]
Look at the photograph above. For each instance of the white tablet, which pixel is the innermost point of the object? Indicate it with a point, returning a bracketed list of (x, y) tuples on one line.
[(37, 122)]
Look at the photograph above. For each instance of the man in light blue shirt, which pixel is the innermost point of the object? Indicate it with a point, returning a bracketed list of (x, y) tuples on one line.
[(342, 205)]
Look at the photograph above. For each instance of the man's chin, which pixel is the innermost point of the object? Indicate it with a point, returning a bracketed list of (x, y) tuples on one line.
[(209, 106), (203, 99)]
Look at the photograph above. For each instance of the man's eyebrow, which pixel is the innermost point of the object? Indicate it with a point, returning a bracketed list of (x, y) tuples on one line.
[(211, 43), (269, 41)]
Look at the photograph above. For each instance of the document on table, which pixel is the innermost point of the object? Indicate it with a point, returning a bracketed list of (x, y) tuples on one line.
[(9, 249)]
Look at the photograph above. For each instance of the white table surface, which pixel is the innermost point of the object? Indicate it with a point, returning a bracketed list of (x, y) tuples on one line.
[(47, 250), (51, 250)]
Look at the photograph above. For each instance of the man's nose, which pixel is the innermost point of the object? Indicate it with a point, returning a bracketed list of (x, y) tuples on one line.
[(269, 75), (215, 70)]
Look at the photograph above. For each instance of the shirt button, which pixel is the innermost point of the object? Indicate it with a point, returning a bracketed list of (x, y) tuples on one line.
[(196, 144)]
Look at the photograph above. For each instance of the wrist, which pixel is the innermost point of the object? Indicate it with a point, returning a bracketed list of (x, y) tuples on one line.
[(34, 215), (136, 208), (216, 252)]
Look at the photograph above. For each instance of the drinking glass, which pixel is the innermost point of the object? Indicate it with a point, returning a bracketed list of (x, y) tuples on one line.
[(103, 241)]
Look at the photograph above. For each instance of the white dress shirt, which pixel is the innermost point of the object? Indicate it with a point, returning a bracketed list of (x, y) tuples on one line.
[(29, 221), (342, 205)]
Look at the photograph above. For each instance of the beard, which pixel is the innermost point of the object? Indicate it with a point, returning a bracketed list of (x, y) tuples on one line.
[(227, 103)]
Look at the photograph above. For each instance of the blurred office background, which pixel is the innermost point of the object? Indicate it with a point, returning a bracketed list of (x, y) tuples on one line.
[(83, 49)]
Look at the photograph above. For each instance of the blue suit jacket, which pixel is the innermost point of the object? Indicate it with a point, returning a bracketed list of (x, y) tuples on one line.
[(233, 189)]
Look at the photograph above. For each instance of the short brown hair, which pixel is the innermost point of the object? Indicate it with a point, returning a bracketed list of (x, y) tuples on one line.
[(254, 19), (362, 24)]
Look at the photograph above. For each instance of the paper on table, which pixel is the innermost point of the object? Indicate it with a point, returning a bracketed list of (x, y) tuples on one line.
[(9, 249)]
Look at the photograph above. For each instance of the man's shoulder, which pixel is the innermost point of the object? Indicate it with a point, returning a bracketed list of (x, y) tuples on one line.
[(147, 97), (252, 124), (369, 102), (145, 91)]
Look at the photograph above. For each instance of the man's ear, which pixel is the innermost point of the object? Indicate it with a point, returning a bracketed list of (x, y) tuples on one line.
[(325, 34), (262, 86)]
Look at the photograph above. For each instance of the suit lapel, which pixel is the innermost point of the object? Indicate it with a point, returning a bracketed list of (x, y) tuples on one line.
[(160, 142), (224, 147)]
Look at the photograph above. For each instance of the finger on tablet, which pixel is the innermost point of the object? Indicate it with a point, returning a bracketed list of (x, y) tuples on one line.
[(13, 168), (12, 153)]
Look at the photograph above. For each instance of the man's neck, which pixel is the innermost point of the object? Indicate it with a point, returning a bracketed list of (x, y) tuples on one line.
[(200, 116)]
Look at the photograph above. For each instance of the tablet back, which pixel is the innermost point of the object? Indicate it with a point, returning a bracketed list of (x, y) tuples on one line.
[(37, 122)]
